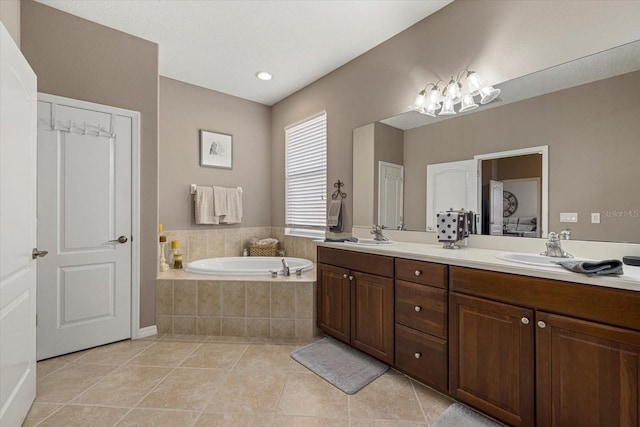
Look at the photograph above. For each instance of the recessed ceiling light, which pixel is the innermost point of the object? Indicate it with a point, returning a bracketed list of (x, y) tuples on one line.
[(263, 75)]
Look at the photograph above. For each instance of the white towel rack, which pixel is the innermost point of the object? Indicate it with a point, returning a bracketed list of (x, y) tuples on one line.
[(195, 186)]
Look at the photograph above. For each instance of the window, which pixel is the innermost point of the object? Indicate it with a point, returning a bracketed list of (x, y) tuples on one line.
[(306, 177)]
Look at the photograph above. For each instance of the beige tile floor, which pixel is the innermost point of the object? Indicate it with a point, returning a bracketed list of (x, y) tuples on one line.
[(214, 381)]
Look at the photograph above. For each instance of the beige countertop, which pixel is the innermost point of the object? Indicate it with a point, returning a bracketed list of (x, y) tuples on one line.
[(485, 259)]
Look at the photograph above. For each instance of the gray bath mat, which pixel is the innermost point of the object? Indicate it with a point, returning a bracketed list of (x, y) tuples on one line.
[(458, 415), (337, 363)]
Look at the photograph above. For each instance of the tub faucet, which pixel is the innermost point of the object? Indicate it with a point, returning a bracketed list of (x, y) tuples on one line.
[(285, 268), (554, 249), (377, 232)]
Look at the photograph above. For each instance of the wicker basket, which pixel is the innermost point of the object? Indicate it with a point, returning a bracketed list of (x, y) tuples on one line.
[(263, 250)]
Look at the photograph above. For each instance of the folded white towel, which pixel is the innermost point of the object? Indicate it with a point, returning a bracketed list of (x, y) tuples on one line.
[(204, 206), (219, 201), (334, 212), (234, 207)]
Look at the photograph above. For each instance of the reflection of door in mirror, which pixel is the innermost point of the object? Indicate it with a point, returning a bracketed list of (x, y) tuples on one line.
[(496, 190), (452, 185), (390, 193), (519, 178)]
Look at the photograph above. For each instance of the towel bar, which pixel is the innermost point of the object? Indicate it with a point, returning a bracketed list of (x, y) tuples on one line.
[(195, 186)]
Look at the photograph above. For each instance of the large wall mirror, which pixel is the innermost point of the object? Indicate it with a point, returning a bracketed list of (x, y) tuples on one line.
[(586, 112)]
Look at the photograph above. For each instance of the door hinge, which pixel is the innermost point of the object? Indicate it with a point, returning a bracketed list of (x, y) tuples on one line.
[(36, 319)]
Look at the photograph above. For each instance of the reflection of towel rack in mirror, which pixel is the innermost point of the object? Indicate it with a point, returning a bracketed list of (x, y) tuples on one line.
[(338, 193), (195, 186)]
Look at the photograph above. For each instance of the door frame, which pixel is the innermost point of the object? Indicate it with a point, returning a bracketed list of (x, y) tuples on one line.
[(542, 150), (135, 195)]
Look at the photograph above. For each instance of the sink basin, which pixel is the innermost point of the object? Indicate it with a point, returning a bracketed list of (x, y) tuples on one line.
[(372, 242), (531, 259)]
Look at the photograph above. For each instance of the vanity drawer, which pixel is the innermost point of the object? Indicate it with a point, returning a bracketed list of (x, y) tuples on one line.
[(427, 273), (357, 261), (421, 307), (422, 356)]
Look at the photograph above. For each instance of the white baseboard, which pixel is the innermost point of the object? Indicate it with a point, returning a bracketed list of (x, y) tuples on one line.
[(147, 332)]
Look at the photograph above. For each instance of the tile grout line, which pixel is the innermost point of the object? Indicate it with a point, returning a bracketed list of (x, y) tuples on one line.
[(166, 376), (415, 394), (202, 411)]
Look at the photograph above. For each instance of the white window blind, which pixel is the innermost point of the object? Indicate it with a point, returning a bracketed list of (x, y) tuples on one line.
[(306, 174)]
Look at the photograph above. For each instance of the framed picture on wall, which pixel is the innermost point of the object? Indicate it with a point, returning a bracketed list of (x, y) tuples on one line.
[(216, 149)]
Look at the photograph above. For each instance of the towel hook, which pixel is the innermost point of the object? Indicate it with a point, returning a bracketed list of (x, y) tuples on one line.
[(338, 193)]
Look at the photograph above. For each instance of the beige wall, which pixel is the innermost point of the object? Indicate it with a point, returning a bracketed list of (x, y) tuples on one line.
[(388, 148), (10, 17), (76, 58), (500, 39), (592, 133), (184, 110)]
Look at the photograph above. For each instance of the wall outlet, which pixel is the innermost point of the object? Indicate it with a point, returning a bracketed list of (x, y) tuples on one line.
[(569, 217), (595, 217)]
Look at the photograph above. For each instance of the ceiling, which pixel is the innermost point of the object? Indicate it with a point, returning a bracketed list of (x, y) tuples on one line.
[(222, 44)]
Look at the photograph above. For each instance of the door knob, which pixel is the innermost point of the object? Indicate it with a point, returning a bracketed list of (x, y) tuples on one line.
[(35, 254), (121, 239)]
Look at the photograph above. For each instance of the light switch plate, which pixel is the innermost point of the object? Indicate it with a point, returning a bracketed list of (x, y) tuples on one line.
[(568, 217)]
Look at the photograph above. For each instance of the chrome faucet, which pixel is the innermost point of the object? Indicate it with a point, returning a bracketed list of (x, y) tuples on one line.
[(285, 268), (377, 232), (554, 249)]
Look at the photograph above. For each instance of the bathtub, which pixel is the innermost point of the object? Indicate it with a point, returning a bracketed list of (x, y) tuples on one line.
[(247, 266)]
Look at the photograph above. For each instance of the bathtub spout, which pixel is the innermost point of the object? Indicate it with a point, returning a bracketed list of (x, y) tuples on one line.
[(285, 268)]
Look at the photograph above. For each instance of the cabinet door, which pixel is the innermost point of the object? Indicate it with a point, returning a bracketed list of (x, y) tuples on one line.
[(587, 373), (334, 302), (491, 358), (372, 315)]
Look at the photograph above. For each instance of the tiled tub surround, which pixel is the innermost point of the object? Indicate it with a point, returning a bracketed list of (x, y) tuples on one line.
[(227, 242), (236, 306)]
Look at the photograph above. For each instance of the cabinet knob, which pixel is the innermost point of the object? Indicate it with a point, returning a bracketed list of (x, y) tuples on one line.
[(417, 355), (350, 277), (418, 272), (344, 276), (418, 308), (541, 324), (524, 321)]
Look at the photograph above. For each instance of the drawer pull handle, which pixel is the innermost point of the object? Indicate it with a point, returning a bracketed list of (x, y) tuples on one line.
[(350, 277), (541, 324), (418, 272), (344, 276), (418, 308), (524, 321), (417, 355)]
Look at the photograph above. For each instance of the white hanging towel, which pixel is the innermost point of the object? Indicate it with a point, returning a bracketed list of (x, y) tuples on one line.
[(204, 206), (334, 212), (234, 206), (219, 201)]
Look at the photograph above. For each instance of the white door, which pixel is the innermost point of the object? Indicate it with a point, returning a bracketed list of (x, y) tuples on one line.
[(451, 185), (85, 219), (390, 193), (496, 188), (18, 231)]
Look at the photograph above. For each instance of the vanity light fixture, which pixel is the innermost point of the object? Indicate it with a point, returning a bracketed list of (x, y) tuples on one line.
[(444, 97), (263, 75)]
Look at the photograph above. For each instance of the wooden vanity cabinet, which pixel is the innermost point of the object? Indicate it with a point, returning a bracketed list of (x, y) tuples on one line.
[(587, 373), (491, 363), (334, 301), (421, 321), (571, 350), (355, 300)]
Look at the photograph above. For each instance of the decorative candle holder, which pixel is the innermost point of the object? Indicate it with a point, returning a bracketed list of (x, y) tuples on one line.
[(177, 258), (163, 261)]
